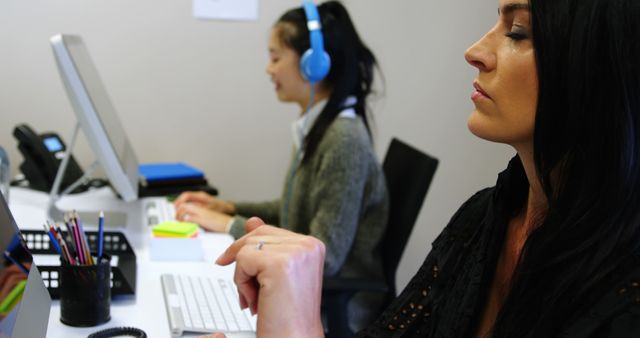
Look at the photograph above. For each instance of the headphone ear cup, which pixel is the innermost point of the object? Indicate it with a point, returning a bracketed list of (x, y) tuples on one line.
[(315, 66)]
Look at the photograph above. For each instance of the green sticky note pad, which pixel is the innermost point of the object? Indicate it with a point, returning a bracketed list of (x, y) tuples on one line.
[(181, 229)]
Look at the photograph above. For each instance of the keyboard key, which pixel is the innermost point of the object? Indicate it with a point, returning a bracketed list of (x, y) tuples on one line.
[(218, 319), (183, 304), (159, 210), (152, 220)]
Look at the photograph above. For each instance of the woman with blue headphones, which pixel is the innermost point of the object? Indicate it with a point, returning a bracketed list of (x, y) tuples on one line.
[(334, 189)]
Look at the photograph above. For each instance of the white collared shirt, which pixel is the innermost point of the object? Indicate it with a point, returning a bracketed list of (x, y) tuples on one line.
[(302, 126)]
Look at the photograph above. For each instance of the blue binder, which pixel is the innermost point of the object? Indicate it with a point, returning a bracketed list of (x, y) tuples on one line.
[(159, 172)]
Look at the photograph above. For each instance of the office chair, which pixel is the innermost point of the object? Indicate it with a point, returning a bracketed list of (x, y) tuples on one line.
[(409, 173)]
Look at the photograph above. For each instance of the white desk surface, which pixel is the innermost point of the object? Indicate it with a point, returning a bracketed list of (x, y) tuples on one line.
[(146, 309)]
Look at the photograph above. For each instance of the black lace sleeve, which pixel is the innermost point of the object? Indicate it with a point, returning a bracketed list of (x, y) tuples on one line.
[(614, 315), (624, 325), (411, 313), (411, 308)]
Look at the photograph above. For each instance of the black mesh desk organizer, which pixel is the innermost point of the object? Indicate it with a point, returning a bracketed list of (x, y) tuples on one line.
[(123, 276)]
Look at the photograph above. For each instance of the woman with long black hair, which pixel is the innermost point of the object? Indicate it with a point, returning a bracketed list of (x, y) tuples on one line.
[(553, 249), (334, 189)]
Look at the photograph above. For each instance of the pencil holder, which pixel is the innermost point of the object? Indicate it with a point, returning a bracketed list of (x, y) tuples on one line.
[(85, 293)]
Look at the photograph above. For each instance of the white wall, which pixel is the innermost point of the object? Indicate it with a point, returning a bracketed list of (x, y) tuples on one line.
[(196, 91)]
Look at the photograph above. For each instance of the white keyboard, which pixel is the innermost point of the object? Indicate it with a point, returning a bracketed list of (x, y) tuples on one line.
[(158, 210), (203, 304)]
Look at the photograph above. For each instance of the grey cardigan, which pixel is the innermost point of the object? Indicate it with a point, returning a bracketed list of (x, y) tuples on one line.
[(340, 197)]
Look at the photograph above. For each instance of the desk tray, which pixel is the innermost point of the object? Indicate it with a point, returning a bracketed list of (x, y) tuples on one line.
[(123, 276)]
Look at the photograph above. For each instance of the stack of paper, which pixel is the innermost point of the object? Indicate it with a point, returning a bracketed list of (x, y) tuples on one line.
[(176, 241)]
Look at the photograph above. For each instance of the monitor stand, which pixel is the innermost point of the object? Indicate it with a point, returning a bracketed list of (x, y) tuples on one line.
[(111, 218)]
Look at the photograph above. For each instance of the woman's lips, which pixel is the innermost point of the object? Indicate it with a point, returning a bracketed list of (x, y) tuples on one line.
[(479, 93)]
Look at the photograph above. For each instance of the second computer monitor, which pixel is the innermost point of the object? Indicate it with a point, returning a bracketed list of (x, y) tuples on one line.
[(96, 115)]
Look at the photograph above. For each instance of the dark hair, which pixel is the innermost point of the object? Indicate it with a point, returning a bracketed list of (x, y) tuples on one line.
[(352, 63), (587, 154)]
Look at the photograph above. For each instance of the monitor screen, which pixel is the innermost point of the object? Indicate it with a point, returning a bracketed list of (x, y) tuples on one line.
[(96, 114), (24, 300)]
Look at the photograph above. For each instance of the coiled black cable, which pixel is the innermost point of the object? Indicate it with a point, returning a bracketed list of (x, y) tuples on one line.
[(119, 331)]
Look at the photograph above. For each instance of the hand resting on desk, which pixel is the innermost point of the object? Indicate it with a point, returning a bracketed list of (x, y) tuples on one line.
[(231, 335), (210, 213), (205, 200), (208, 219), (279, 277)]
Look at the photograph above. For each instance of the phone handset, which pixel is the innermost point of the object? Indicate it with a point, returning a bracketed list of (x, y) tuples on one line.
[(42, 156)]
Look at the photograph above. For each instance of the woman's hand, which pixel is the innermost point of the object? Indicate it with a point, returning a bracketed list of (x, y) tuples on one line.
[(279, 277), (215, 335), (205, 200), (208, 219)]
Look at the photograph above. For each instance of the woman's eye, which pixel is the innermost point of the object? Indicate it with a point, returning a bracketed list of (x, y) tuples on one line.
[(517, 32), (516, 36)]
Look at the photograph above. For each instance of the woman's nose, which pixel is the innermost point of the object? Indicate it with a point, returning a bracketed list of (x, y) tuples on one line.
[(481, 55)]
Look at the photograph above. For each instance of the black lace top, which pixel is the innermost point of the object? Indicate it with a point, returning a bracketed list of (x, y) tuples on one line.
[(447, 295)]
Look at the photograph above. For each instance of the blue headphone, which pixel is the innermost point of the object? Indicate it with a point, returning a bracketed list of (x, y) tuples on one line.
[(315, 62)]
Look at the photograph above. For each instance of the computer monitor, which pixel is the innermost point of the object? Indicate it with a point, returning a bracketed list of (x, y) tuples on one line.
[(24, 301), (96, 115)]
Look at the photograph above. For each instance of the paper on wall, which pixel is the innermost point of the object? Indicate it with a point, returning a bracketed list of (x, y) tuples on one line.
[(226, 9)]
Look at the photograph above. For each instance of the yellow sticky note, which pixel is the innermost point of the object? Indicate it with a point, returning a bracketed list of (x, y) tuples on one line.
[(178, 229), (161, 234)]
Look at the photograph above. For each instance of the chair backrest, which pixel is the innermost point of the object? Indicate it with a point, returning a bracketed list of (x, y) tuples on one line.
[(408, 172)]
